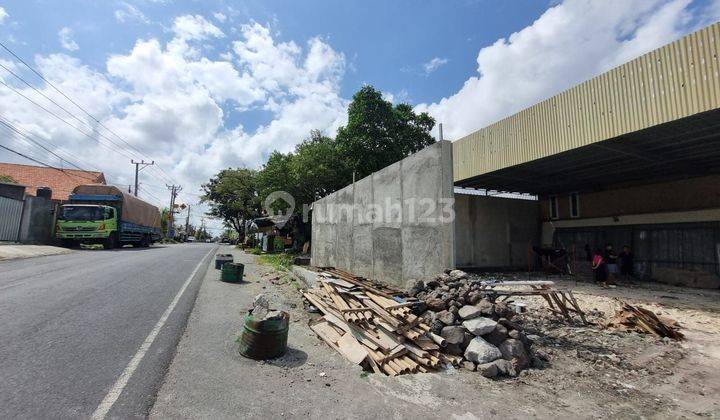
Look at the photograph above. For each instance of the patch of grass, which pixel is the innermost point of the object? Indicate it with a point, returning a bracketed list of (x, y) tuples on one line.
[(254, 251), (280, 262)]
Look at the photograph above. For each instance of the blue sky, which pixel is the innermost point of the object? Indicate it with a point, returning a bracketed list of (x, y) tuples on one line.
[(386, 43), (199, 86)]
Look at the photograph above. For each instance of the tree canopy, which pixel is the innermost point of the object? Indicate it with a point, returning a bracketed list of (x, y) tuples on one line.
[(232, 196), (377, 134)]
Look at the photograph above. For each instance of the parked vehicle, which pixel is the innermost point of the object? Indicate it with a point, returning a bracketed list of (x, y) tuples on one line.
[(103, 214)]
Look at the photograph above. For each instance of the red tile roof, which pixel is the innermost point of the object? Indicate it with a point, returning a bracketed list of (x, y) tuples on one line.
[(61, 181)]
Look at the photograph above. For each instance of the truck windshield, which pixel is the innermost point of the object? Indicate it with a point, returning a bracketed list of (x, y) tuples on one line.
[(82, 213)]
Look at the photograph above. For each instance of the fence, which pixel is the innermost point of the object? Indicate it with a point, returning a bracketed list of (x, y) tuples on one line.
[(10, 218)]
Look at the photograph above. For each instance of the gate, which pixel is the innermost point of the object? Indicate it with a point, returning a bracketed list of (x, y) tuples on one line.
[(10, 216)]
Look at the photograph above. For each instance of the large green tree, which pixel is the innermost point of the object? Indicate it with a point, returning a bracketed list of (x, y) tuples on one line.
[(379, 134), (315, 169), (232, 196)]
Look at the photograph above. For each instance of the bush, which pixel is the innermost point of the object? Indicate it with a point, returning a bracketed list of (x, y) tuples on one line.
[(280, 262)]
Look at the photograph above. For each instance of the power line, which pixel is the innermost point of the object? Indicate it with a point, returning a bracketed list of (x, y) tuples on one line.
[(76, 104), (26, 157), (14, 129)]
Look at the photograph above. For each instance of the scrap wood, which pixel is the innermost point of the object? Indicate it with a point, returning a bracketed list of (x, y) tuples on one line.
[(635, 318), (372, 327)]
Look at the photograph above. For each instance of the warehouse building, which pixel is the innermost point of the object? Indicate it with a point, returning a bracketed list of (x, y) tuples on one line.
[(630, 157)]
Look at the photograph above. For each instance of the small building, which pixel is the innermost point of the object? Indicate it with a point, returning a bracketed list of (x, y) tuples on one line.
[(60, 181)]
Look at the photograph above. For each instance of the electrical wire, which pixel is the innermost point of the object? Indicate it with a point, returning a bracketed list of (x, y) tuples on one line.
[(169, 178)]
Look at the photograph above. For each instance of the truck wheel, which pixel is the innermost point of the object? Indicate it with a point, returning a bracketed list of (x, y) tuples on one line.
[(111, 241), (145, 241)]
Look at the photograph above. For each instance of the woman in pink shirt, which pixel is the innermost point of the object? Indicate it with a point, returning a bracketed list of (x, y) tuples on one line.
[(600, 268)]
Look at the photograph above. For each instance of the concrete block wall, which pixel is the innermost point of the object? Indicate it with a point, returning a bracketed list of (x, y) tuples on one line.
[(394, 225), (493, 232)]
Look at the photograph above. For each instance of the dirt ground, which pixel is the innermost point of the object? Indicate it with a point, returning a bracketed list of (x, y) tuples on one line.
[(590, 372)]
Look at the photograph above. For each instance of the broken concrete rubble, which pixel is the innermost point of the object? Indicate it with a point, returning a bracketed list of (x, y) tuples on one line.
[(480, 351)]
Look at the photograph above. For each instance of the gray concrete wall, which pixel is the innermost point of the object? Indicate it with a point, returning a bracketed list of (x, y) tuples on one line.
[(494, 232), (394, 225), (38, 220)]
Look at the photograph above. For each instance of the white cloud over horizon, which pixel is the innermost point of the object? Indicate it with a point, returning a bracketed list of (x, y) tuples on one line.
[(3, 15), (571, 42)]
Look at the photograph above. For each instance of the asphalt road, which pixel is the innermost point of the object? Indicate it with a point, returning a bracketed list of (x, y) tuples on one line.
[(70, 325)]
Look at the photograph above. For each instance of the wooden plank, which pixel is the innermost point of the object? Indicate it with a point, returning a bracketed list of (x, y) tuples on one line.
[(352, 349)]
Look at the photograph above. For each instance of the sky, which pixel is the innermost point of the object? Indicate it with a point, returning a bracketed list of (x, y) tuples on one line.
[(199, 86)]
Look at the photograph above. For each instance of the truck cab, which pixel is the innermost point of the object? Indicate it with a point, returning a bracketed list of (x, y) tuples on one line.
[(87, 223)]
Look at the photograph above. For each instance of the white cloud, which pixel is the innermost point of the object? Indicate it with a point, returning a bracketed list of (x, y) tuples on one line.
[(3, 15), (434, 64), (66, 39), (195, 27), (130, 13), (220, 16), (571, 42), (172, 102)]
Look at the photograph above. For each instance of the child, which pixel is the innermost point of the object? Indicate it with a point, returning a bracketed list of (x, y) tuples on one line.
[(600, 268)]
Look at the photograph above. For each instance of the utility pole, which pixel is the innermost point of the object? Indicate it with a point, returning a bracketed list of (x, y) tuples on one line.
[(138, 169), (187, 223), (174, 190)]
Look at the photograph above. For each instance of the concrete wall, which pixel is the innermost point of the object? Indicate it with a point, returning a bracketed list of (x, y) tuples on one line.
[(494, 232), (38, 220), (393, 225)]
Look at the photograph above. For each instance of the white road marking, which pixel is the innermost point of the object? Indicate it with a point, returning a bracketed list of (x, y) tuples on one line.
[(104, 408)]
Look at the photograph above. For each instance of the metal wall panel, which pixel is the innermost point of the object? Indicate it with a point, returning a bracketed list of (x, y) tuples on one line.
[(10, 217), (675, 81)]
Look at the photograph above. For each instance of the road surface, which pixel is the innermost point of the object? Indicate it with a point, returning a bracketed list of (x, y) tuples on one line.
[(92, 332)]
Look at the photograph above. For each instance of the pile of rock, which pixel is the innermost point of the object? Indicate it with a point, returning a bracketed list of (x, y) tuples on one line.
[(474, 325)]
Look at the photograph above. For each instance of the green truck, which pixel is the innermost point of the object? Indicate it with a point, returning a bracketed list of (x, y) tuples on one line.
[(103, 214)]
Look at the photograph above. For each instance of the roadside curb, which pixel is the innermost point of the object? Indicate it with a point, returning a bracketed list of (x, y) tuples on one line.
[(14, 252)]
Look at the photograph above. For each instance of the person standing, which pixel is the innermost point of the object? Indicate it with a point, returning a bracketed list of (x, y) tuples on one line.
[(626, 262), (600, 268), (611, 259)]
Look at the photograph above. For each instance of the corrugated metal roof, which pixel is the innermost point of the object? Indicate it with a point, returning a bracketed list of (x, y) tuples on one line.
[(672, 82)]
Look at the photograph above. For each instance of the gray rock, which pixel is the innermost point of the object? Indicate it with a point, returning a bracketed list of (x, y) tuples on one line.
[(503, 310), (514, 350), (480, 325), (453, 334), (496, 336), (436, 327), (486, 307), (453, 349), (466, 364), (505, 367), (480, 351), (469, 312), (435, 304), (415, 286), (488, 370), (446, 317), (443, 278), (458, 274)]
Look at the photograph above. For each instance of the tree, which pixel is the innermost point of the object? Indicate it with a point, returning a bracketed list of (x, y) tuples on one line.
[(379, 134), (232, 196), (319, 168), (276, 175), (8, 179)]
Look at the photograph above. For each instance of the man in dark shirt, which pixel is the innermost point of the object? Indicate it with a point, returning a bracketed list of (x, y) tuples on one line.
[(626, 262)]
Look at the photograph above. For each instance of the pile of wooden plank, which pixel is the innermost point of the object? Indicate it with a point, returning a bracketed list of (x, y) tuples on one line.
[(635, 318), (373, 326)]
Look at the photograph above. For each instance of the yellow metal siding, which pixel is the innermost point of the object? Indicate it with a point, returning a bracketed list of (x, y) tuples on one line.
[(672, 82)]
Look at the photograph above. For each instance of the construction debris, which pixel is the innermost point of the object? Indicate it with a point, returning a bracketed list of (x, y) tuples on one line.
[(386, 331), (635, 318)]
